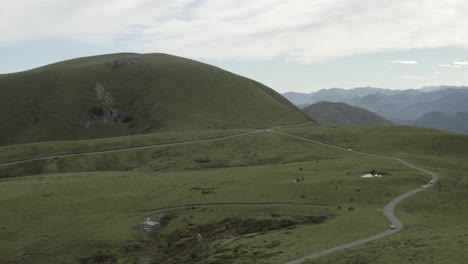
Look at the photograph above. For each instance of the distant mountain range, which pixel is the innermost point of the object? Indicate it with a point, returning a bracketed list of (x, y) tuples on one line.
[(341, 114), (404, 107)]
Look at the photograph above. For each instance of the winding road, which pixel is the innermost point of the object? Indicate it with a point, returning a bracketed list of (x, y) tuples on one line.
[(388, 210)]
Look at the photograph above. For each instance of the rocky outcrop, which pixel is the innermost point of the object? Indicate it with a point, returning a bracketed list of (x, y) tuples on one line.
[(106, 111), (103, 95), (123, 62)]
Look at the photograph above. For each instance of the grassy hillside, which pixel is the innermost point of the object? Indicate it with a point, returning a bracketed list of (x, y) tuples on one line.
[(123, 94), (341, 114), (253, 199), (81, 207), (435, 230), (69, 209)]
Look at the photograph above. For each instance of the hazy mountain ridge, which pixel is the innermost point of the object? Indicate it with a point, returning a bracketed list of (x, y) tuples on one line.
[(403, 107), (298, 98)]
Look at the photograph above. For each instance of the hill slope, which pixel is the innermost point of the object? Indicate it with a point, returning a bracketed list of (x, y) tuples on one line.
[(122, 94), (455, 123), (336, 114)]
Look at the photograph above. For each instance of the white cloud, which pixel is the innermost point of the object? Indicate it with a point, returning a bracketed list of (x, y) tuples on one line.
[(450, 65), (464, 63), (437, 72), (407, 62), (307, 31)]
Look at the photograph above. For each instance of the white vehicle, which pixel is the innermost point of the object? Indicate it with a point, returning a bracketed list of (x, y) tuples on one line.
[(349, 149), (392, 227), (431, 182), (424, 186)]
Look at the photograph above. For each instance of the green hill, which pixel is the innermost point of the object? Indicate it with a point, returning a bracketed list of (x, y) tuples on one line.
[(341, 114), (124, 94)]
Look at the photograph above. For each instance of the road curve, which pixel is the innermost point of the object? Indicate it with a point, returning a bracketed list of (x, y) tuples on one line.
[(388, 210)]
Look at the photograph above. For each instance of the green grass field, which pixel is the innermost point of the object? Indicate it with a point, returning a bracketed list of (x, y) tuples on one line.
[(44, 149), (83, 206), (436, 229)]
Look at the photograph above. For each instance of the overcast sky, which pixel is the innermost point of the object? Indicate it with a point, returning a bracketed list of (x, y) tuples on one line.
[(295, 45)]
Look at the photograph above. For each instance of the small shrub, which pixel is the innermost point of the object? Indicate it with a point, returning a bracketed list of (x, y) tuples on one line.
[(127, 119), (96, 111), (166, 219), (202, 160)]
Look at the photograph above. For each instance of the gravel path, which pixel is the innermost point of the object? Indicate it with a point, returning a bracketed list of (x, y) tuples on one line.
[(129, 149), (388, 210)]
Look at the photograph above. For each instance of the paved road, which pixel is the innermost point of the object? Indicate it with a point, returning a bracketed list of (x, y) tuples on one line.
[(388, 209)]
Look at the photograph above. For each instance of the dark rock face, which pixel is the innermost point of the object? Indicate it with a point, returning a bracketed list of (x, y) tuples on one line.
[(123, 62), (105, 112)]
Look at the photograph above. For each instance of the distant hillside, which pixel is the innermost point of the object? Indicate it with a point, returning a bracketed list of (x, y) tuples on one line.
[(457, 123), (338, 114), (123, 94)]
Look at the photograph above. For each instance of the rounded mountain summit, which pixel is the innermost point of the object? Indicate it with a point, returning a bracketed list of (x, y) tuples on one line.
[(125, 94)]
